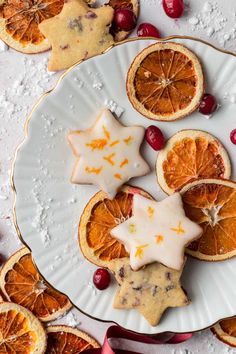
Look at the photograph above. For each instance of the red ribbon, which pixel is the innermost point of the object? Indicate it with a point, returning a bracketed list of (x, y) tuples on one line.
[(118, 332)]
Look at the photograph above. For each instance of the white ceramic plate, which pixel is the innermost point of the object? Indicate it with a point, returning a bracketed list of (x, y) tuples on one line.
[(48, 206)]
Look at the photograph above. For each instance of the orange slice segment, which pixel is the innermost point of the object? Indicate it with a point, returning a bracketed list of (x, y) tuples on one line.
[(68, 340), (20, 331), (19, 22), (21, 283), (121, 4), (99, 217), (225, 331), (165, 81), (212, 204), (189, 155)]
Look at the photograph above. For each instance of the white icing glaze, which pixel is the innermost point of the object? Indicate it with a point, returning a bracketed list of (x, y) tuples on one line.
[(157, 232), (105, 153)]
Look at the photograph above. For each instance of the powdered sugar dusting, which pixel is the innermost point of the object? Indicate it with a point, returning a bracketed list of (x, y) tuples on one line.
[(210, 19), (212, 22), (114, 107)]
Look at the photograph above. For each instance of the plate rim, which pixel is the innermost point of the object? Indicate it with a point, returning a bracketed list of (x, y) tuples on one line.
[(25, 130)]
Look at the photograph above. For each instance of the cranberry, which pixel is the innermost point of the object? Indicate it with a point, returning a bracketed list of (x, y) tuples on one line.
[(147, 30), (101, 278), (233, 136), (124, 19), (173, 8), (208, 104), (154, 137)]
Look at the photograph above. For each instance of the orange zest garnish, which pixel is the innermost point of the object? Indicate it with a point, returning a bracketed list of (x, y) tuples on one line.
[(124, 162), (115, 142), (128, 140), (159, 238), (139, 251), (179, 229), (150, 211), (118, 176), (97, 144), (93, 170), (132, 228), (109, 158), (106, 132)]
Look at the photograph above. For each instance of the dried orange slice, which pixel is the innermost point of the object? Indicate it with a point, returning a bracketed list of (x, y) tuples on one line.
[(165, 81), (225, 331), (189, 155), (19, 22), (20, 331), (21, 283), (121, 4), (212, 204), (68, 340), (99, 217)]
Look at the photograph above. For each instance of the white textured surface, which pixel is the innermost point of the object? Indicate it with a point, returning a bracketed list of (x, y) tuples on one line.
[(23, 78)]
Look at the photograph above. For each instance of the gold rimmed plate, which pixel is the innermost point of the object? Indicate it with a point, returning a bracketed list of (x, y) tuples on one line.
[(48, 207)]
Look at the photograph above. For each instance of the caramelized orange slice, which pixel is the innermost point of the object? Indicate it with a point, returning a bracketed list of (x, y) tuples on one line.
[(212, 204), (189, 155), (19, 22), (99, 217), (165, 81), (121, 4), (20, 331), (21, 283), (68, 340), (225, 331)]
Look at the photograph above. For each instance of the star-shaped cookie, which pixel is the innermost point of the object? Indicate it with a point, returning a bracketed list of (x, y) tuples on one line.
[(157, 232), (107, 154), (150, 291), (77, 33)]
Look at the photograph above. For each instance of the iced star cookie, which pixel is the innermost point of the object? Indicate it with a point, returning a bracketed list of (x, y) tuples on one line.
[(107, 154), (150, 291), (157, 232), (77, 33)]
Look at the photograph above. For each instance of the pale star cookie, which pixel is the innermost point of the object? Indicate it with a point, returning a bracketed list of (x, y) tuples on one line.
[(107, 154), (157, 232), (150, 291), (78, 32)]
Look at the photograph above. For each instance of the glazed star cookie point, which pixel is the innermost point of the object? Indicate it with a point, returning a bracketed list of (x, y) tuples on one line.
[(77, 33), (106, 153), (157, 232)]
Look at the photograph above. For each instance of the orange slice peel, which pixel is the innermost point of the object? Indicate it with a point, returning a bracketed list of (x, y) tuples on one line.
[(225, 331), (190, 155), (65, 340), (212, 204), (20, 331), (22, 284), (165, 81)]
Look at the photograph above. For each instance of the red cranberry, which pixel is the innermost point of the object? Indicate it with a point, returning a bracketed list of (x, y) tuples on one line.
[(124, 19), (101, 278), (147, 30), (208, 104), (233, 136), (154, 137), (173, 8)]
